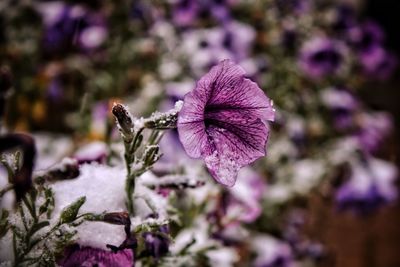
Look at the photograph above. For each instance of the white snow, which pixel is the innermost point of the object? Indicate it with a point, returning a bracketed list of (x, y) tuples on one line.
[(91, 151), (103, 187)]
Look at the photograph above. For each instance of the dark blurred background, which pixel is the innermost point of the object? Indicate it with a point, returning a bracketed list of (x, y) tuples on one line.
[(372, 241)]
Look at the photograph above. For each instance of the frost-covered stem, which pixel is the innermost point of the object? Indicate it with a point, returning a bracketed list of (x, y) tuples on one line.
[(130, 185), (31, 208), (20, 257), (129, 189), (130, 150), (131, 131)]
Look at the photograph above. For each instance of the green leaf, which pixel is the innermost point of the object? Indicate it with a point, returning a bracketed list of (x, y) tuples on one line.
[(4, 224), (70, 212), (48, 206), (39, 226)]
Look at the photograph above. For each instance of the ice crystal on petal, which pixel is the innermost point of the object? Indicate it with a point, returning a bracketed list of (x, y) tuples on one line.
[(222, 121)]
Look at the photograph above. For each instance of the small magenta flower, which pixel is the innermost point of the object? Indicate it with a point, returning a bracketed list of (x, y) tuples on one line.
[(222, 121)]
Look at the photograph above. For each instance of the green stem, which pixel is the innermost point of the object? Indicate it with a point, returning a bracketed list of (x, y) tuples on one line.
[(130, 189)]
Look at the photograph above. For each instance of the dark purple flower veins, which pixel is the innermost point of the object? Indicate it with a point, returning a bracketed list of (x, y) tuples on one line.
[(222, 121)]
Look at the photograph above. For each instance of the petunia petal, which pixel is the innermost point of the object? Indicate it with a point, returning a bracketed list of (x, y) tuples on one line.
[(222, 121), (229, 150), (191, 126), (226, 87)]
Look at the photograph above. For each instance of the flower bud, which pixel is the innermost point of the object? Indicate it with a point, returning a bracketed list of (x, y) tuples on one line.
[(70, 212), (125, 122), (151, 155), (119, 218)]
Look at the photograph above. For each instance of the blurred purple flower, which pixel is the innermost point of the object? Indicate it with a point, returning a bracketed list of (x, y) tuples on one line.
[(294, 235), (271, 252), (241, 203), (92, 152), (345, 18), (222, 121), (71, 26), (157, 244), (187, 12), (256, 67), (246, 196), (368, 40), (378, 63), (55, 90), (373, 130), (366, 37), (206, 47), (342, 104), (321, 57), (237, 38), (87, 257), (371, 184)]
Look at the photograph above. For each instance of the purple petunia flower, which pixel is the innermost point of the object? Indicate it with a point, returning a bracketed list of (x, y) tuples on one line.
[(206, 47), (245, 198), (87, 257), (188, 12), (368, 40), (271, 252), (241, 203), (366, 37), (373, 130), (371, 184), (345, 18), (343, 105), (378, 63), (71, 26), (222, 121), (321, 57), (157, 244)]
